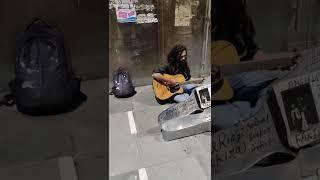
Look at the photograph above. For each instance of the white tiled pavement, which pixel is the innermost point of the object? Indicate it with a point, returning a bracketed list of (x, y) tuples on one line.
[(146, 152)]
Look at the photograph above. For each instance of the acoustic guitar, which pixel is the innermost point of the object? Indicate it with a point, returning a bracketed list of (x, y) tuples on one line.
[(224, 54), (164, 92)]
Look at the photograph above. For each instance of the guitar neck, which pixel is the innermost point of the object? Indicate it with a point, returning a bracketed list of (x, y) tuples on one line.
[(194, 81), (280, 55), (275, 61)]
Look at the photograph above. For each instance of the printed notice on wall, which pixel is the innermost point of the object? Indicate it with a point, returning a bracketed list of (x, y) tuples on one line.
[(241, 146), (126, 12), (298, 99), (125, 15), (146, 14), (133, 11), (183, 14)]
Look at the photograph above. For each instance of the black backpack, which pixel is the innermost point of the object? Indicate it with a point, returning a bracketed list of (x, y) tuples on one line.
[(44, 83), (122, 84)]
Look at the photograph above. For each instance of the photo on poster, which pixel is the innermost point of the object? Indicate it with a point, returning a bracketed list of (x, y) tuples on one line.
[(204, 96), (298, 100), (300, 108)]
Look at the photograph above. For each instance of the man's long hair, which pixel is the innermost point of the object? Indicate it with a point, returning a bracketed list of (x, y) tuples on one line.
[(174, 56), (230, 13), (175, 53)]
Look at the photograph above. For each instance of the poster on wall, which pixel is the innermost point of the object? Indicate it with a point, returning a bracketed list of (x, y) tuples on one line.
[(133, 11), (183, 14), (126, 12), (146, 13), (126, 15)]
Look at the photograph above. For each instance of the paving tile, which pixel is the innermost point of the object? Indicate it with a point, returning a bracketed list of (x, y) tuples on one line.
[(310, 178), (119, 125), (185, 169), (92, 114), (147, 119), (205, 139), (95, 87), (309, 159), (197, 147), (119, 105), (26, 138), (204, 161), (154, 150), (123, 155), (93, 167), (55, 169), (288, 170), (145, 96), (197, 144), (89, 140), (133, 175)]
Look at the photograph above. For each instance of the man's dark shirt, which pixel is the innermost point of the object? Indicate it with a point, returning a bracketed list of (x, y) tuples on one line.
[(181, 68)]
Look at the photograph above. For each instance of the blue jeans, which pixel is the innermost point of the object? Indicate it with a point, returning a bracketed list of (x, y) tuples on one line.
[(187, 89)]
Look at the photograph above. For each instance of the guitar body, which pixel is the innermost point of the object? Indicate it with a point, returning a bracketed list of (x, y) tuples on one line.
[(223, 52), (163, 92)]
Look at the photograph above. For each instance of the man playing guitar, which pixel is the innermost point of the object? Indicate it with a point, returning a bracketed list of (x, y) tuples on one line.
[(176, 65)]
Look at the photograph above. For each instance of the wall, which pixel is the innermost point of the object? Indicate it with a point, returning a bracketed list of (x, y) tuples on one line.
[(271, 20), (277, 29), (84, 23)]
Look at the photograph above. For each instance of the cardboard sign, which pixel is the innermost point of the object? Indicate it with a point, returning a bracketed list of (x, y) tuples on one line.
[(204, 96), (289, 170), (199, 100), (298, 100), (304, 165), (241, 146), (290, 113)]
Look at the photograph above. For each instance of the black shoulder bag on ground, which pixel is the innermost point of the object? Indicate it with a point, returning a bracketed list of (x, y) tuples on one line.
[(44, 83), (122, 84)]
